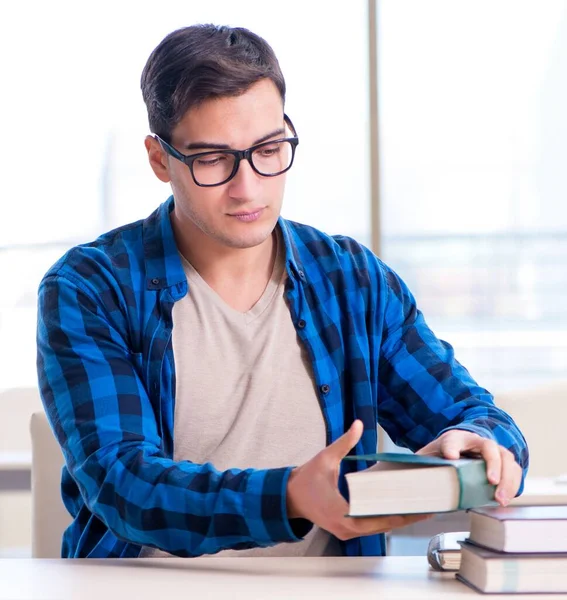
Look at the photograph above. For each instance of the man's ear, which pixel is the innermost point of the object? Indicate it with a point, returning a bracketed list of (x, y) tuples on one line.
[(157, 158)]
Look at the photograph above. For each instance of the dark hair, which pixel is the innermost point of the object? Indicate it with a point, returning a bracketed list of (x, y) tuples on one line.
[(194, 64)]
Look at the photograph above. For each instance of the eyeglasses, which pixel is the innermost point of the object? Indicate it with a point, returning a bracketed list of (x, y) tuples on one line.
[(217, 167)]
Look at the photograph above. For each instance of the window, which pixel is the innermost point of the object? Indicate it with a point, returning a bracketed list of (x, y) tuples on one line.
[(473, 150)]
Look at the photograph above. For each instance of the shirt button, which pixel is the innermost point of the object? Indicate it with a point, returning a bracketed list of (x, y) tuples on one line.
[(155, 281), (301, 275), (301, 323), (325, 389)]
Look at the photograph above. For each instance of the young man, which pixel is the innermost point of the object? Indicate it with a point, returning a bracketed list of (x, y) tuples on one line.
[(190, 361)]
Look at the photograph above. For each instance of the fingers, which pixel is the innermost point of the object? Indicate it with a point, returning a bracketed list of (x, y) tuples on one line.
[(452, 445), (449, 445), (510, 477), (502, 469), (341, 447), (432, 449), (490, 451), (350, 528), (368, 526)]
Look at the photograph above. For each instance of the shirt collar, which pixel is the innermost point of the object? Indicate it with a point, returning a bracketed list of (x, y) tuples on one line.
[(292, 256), (163, 265), (161, 257)]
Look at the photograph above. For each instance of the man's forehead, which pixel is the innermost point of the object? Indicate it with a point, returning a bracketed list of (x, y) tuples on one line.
[(229, 120)]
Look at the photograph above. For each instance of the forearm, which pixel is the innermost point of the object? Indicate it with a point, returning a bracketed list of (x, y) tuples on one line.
[(183, 508), (425, 391), (456, 402)]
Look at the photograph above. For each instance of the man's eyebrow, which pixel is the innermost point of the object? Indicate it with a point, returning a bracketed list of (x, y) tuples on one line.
[(211, 146), (269, 136)]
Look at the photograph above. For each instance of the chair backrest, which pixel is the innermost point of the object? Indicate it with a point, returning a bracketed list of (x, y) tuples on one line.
[(540, 413), (16, 408), (49, 515)]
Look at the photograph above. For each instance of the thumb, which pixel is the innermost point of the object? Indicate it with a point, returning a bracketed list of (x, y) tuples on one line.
[(341, 447)]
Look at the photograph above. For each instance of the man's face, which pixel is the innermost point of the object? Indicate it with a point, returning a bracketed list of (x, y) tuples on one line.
[(241, 213)]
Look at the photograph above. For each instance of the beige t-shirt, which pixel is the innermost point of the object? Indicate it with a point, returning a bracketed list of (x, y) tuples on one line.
[(245, 392)]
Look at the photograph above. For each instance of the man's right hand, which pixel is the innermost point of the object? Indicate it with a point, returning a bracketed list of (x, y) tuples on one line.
[(313, 494)]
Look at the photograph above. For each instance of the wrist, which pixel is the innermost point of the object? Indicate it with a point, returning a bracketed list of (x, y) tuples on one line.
[(291, 496)]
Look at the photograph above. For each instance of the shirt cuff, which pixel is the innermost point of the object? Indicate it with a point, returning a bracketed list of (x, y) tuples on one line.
[(265, 508), (482, 431)]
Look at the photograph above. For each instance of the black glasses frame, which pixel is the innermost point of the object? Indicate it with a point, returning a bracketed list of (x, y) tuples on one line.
[(239, 155)]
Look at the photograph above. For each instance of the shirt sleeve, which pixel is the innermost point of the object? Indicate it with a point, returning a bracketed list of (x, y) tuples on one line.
[(107, 428), (424, 391)]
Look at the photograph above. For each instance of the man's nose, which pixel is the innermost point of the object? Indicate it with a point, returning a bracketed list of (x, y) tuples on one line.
[(244, 183)]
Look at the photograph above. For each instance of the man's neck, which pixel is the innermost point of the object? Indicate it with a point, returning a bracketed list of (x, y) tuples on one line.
[(238, 275)]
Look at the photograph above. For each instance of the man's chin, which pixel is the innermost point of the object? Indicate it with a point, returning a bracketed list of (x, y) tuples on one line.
[(249, 239), (243, 244)]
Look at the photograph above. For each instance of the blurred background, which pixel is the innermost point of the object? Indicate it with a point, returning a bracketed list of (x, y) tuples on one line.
[(431, 130)]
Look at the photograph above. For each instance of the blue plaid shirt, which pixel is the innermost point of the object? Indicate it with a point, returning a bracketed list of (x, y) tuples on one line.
[(107, 380)]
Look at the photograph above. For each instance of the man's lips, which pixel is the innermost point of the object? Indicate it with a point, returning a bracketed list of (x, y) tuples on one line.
[(247, 216)]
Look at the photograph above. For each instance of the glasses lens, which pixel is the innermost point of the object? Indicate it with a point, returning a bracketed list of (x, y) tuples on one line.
[(212, 169), (273, 158)]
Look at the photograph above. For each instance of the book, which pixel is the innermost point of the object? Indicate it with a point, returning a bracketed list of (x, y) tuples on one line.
[(520, 528), (494, 572), (444, 550), (412, 484)]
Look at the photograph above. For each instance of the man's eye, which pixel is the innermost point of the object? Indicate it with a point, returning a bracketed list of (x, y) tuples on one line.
[(269, 151), (210, 161)]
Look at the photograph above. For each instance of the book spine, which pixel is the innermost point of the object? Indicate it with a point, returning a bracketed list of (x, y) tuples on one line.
[(474, 488)]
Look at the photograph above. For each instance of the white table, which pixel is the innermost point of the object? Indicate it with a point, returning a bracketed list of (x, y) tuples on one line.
[(390, 578), (543, 490)]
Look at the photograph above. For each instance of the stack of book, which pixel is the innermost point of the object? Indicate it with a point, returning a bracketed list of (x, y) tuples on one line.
[(517, 549)]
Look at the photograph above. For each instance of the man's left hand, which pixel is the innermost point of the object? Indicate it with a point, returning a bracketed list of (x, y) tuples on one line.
[(502, 469)]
